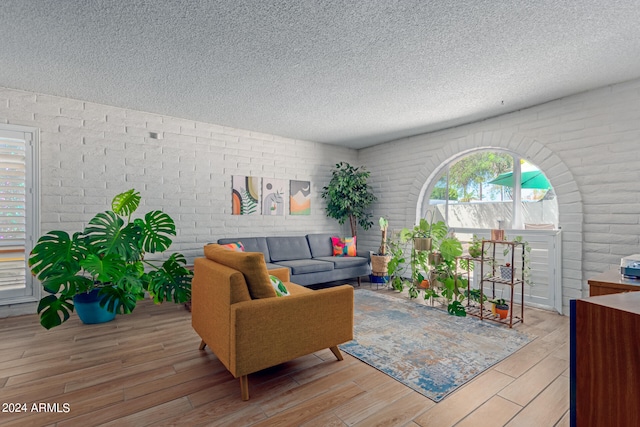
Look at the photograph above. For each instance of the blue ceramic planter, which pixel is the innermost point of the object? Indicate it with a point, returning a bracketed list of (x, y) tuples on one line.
[(378, 279), (88, 308)]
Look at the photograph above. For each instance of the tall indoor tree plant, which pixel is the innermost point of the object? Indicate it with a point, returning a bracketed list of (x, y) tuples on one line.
[(349, 196), (108, 257)]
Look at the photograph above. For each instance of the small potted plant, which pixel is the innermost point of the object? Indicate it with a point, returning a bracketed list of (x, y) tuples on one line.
[(380, 261), (500, 308), (426, 233), (476, 296), (475, 248)]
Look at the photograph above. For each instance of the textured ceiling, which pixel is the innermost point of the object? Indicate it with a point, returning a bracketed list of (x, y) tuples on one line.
[(353, 73)]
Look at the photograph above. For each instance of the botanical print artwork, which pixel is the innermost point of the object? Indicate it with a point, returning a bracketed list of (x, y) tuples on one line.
[(273, 196), (245, 195), (300, 198)]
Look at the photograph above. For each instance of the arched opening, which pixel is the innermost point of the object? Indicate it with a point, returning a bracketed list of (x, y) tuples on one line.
[(568, 274), (482, 188), (492, 189)]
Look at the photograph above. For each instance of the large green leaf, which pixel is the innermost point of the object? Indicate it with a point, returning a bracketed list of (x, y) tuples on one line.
[(62, 279), (126, 203), (156, 229), (108, 233), (129, 289), (57, 247), (171, 282), (53, 310), (457, 309), (121, 299), (107, 269), (450, 248)]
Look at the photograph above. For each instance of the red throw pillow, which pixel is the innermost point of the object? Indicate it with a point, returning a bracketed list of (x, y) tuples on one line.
[(345, 246)]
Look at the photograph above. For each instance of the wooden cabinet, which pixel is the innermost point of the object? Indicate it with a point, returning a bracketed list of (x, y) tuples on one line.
[(612, 282), (605, 360)]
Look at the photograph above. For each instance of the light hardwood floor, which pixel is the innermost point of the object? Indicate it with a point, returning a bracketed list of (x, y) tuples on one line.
[(145, 369)]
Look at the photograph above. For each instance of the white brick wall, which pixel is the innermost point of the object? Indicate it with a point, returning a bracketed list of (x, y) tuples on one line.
[(587, 144), (91, 152)]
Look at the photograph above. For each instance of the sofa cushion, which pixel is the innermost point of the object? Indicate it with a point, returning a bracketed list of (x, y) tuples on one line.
[(271, 266), (250, 264), (344, 262), (320, 244), (288, 248), (303, 266), (251, 244)]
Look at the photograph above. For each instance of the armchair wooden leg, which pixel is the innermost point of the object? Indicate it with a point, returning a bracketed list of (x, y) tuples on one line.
[(359, 281), (202, 345), (336, 352), (244, 387)]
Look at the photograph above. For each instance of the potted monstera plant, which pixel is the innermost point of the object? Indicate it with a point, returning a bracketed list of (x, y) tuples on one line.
[(106, 262)]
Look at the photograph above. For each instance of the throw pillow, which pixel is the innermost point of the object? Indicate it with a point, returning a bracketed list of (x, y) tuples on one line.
[(235, 246), (250, 264), (278, 286), (345, 246)]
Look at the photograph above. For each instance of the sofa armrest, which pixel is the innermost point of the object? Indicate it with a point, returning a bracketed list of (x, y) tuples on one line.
[(364, 254), (281, 273), (270, 331)]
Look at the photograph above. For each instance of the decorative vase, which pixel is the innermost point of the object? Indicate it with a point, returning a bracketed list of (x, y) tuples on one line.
[(88, 308)]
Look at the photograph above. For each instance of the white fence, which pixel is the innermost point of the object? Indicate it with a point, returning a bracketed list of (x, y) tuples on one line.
[(545, 290)]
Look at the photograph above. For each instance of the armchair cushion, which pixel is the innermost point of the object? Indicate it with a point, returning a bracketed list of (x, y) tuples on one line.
[(251, 264), (345, 262)]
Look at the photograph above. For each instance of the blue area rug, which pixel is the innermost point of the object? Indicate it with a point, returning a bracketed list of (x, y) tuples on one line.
[(423, 347)]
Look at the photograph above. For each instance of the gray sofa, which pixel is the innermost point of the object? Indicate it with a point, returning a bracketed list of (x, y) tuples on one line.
[(309, 258)]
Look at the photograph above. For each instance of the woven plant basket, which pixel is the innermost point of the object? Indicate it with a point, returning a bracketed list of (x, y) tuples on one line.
[(379, 264)]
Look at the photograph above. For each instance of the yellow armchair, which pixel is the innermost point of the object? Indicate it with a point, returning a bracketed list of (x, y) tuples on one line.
[(250, 334)]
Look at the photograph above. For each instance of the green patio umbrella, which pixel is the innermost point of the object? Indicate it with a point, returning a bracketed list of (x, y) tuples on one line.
[(529, 179)]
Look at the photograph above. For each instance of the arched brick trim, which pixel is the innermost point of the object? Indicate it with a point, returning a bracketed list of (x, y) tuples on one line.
[(570, 206)]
